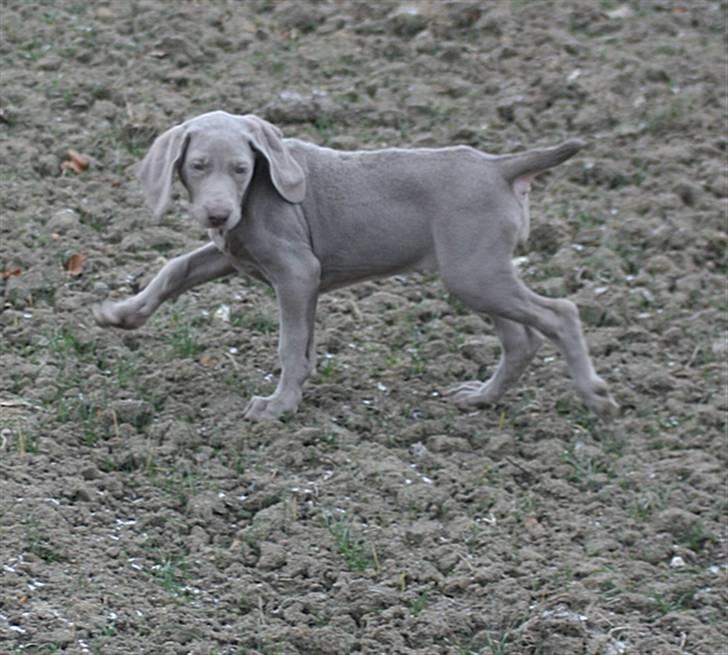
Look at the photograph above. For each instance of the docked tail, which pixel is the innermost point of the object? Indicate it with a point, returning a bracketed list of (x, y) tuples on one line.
[(531, 163)]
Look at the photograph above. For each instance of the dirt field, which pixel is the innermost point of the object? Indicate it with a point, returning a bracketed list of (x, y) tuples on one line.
[(140, 514)]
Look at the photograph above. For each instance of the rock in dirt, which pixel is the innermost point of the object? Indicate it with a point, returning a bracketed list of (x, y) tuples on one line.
[(64, 220)]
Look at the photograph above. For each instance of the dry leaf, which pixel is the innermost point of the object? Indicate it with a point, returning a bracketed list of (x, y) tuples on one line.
[(76, 161), (13, 272), (74, 264), (208, 361)]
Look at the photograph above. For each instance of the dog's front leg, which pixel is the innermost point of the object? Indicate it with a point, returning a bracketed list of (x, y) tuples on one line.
[(175, 277), (297, 305)]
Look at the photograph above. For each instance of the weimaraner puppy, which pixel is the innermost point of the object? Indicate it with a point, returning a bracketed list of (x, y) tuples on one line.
[(307, 219)]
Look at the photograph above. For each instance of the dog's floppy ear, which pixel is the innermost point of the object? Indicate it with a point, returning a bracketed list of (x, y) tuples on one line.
[(158, 168), (285, 172)]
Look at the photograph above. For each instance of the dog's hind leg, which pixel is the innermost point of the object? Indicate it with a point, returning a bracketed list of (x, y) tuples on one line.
[(520, 343), (496, 290)]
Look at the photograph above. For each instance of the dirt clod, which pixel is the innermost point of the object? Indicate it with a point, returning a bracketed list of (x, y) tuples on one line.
[(140, 513)]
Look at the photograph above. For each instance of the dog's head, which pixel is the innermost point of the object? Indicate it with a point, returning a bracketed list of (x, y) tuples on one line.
[(215, 156)]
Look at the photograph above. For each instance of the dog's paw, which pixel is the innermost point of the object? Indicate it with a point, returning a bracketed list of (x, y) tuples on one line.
[(267, 408), (111, 314), (471, 395), (102, 314), (601, 402)]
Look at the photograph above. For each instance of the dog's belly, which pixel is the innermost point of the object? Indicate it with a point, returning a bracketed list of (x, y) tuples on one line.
[(336, 275)]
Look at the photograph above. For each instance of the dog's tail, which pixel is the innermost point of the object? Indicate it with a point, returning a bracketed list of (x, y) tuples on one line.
[(530, 163)]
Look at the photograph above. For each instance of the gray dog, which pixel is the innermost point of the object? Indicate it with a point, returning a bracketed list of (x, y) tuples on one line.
[(307, 219)]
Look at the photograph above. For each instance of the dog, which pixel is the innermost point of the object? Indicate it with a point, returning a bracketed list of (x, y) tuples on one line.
[(307, 219)]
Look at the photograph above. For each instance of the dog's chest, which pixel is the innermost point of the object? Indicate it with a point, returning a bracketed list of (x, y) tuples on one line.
[(240, 258), (221, 239)]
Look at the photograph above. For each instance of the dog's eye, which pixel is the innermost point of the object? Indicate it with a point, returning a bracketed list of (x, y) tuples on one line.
[(198, 165), (241, 169)]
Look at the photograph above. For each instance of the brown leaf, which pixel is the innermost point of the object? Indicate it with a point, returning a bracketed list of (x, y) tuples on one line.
[(13, 272), (208, 361), (74, 264), (76, 162)]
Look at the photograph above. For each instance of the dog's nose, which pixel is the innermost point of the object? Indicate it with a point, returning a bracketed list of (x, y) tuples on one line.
[(218, 217)]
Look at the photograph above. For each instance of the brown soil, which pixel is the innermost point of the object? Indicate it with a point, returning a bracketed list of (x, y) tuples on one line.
[(140, 514)]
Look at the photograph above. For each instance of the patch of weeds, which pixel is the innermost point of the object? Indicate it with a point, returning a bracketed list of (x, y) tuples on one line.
[(696, 536), (610, 589), (110, 630), (180, 483), (26, 443), (613, 444), (666, 603), (393, 361), (81, 411), (632, 256), (419, 603), (584, 469), (351, 549), (126, 373), (123, 145), (526, 505), (473, 538), (171, 572), (96, 221), (329, 440), (64, 342), (589, 219), (491, 476), (261, 647), (183, 338), (266, 63), (497, 642), (670, 117), (78, 8), (417, 364), (325, 127), (645, 505), (41, 544), (128, 462), (254, 321), (328, 371), (459, 307), (34, 50), (324, 440), (576, 412)]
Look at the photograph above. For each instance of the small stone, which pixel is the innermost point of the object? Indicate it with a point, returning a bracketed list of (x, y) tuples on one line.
[(50, 63), (407, 21), (64, 220), (624, 11)]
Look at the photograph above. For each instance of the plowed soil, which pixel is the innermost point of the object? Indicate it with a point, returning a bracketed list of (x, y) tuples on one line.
[(140, 514)]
